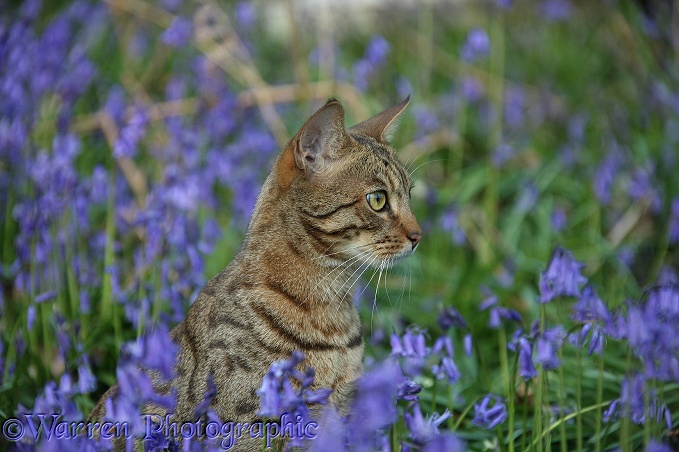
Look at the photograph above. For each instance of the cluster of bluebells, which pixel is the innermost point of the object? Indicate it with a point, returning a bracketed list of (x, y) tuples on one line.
[(156, 223), (278, 395)]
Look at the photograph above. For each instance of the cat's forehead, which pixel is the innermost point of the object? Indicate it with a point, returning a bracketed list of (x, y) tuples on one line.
[(384, 158)]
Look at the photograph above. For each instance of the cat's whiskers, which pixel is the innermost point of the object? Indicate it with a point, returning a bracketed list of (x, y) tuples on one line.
[(341, 251), (359, 277), (377, 289), (360, 272), (421, 165), (332, 283), (345, 265)]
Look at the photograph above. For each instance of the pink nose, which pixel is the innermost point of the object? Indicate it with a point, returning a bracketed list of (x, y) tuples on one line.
[(415, 237)]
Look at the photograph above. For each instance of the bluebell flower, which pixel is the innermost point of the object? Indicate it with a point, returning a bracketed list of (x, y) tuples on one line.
[(449, 222), (422, 431), (590, 308), (556, 10), (562, 277), (655, 446), (490, 413), (558, 219), (606, 175), (472, 89), (278, 396), (468, 344), (203, 406), (524, 347), (514, 106), (674, 222), (631, 403), (476, 46), (130, 135), (501, 154), (374, 58), (374, 405), (412, 348), (408, 390), (548, 343), (446, 368), (179, 32), (497, 312), (447, 442)]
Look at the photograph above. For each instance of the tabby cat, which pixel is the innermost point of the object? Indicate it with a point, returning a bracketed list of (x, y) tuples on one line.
[(336, 202)]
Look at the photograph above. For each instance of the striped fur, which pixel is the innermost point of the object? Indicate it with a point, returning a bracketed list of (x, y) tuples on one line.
[(290, 287)]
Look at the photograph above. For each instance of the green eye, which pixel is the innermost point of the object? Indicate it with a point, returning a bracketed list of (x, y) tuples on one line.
[(377, 200)]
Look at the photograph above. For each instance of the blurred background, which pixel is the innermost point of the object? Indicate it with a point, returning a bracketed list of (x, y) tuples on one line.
[(135, 135)]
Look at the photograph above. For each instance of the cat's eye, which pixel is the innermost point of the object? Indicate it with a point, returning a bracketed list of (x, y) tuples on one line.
[(377, 200)]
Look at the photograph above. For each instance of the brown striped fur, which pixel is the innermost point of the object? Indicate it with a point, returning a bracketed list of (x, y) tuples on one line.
[(290, 286)]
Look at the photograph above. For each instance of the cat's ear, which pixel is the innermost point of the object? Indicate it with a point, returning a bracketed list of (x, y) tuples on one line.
[(380, 125), (320, 138)]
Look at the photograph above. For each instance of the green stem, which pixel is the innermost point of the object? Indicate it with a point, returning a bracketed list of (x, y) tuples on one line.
[(562, 404), (507, 383), (539, 388), (599, 397), (108, 307), (567, 418), (578, 397)]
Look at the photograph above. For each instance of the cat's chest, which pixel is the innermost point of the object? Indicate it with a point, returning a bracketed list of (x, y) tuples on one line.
[(334, 368)]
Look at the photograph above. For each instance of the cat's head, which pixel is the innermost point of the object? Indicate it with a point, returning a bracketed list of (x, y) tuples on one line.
[(348, 190)]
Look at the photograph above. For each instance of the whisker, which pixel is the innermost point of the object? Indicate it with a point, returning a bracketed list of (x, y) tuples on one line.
[(425, 163)]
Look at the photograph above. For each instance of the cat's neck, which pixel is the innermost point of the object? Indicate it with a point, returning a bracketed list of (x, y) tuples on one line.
[(284, 256)]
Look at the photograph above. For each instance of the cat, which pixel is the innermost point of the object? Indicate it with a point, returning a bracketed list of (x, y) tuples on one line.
[(336, 202)]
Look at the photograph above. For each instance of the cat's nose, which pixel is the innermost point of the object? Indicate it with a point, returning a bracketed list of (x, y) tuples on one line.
[(415, 237)]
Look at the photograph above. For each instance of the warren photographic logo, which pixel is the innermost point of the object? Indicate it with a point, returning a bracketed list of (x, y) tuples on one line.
[(39, 427)]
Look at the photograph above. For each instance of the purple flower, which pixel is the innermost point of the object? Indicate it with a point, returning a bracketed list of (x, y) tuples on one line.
[(126, 144), (449, 222), (562, 276), (408, 390), (606, 175), (674, 222), (447, 368), (179, 33), (556, 10), (590, 308), (502, 153), (422, 431), (655, 446), (468, 344), (528, 197), (451, 317), (559, 219), (472, 89), (278, 396), (488, 416), (246, 14), (548, 343), (525, 349), (447, 442), (514, 106), (374, 58), (374, 405), (631, 404), (476, 46), (203, 406), (497, 312)]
